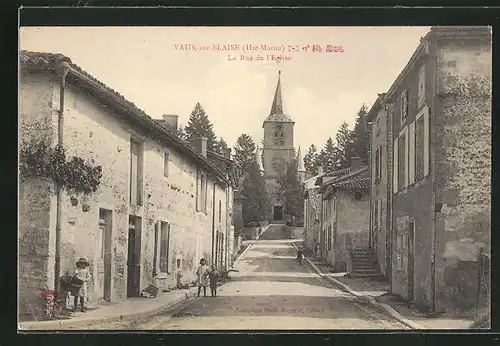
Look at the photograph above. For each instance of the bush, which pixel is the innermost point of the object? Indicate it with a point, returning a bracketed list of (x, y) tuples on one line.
[(75, 175)]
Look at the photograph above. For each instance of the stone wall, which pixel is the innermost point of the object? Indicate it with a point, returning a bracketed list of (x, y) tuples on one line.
[(379, 188), (37, 107), (97, 135), (353, 222), (463, 177)]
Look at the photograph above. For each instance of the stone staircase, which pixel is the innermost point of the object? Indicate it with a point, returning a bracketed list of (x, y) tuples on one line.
[(364, 264), (275, 232)]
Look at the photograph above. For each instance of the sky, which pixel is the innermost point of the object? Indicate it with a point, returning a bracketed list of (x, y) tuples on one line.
[(320, 90)]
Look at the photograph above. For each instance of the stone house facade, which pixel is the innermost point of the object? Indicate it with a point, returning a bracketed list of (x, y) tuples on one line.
[(345, 211), (440, 106), (380, 239), (312, 210), (159, 205)]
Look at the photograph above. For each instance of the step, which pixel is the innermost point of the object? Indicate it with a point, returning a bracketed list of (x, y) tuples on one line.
[(365, 267), (367, 258), (356, 275)]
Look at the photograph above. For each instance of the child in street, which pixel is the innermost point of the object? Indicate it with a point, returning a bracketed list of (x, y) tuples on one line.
[(202, 274), (214, 277), (82, 273), (299, 256)]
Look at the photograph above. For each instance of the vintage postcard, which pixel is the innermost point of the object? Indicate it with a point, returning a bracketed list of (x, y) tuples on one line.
[(251, 178)]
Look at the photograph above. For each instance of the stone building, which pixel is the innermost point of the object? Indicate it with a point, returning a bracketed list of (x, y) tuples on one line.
[(344, 222), (439, 109), (380, 239), (278, 151), (160, 201), (312, 209)]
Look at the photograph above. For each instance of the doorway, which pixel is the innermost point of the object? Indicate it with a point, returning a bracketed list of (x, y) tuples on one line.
[(411, 259), (278, 213), (103, 260), (134, 256)]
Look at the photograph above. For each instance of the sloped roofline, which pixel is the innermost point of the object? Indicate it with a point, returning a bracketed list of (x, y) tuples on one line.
[(41, 62)]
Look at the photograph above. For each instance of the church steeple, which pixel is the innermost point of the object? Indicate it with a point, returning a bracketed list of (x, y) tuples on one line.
[(277, 107), (276, 115)]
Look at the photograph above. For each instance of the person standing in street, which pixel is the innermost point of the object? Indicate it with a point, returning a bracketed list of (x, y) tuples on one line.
[(214, 277), (202, 274), (82, 273), (299, 256)]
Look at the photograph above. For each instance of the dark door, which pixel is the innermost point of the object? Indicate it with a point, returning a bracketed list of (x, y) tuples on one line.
[(133, 261), (411, 259), (107, 260), (278, 213)]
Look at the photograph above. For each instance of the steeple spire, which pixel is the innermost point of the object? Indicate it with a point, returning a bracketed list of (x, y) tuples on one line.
[(277, 107)]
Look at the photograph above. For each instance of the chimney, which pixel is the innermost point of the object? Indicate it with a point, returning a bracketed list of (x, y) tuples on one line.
[(320, 170), (171, 120), (356, 162), (203, 147)]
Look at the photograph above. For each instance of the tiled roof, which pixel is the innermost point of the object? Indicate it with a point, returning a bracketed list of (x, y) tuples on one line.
[(48, 62), (358, 179), (338, 172)]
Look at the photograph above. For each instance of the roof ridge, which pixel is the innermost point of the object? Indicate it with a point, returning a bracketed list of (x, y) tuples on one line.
[(44, 61)]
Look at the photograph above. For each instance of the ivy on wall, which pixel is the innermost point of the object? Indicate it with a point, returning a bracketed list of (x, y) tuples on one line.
[(73, 174)]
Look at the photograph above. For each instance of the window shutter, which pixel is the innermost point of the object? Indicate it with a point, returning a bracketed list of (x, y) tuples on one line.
[(406, 157), (169, 250), (421, 85), (411, 168), (197, 190), (379, 214), (395, 166), (426, 141)]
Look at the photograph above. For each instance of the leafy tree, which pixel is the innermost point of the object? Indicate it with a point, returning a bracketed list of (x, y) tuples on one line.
[(344, 146), (360, 136), (200, 126), (310, 160), (222, 146), (256, 202), (330, 156), (181, 132), (244, 153), (292, 191)]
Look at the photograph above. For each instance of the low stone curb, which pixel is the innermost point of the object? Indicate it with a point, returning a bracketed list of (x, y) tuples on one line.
[(386, 307), (64, 324), (241, 254)]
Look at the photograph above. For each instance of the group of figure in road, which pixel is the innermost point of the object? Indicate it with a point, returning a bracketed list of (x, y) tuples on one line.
[(207, 277)]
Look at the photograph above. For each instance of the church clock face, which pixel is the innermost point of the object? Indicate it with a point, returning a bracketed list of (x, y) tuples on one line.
[(279, 165)]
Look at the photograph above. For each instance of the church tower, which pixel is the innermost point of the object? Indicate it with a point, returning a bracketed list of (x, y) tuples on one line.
[(278, 149)]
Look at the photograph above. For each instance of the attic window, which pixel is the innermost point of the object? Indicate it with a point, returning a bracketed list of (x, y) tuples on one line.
[(358, 195)]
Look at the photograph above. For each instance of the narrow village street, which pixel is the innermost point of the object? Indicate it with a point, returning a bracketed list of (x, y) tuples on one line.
[(270, 291)]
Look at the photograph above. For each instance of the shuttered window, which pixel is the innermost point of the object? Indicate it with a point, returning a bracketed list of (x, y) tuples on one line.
[(421, 86), (411, 154), (164, 246), (135, 172), (395, 167), (402, 162)]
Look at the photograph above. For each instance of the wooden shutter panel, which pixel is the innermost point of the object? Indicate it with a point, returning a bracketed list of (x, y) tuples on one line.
[(426, 141), (169, 250), (411, 159), (395, 166), (406, 154)]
